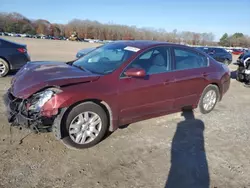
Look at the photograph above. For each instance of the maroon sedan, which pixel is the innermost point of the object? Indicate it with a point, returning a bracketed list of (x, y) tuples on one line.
[(117, 84)]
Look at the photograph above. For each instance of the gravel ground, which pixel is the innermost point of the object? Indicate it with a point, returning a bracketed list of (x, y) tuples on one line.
[(155, 153)]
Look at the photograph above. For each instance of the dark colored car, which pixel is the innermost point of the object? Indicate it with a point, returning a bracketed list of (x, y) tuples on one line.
[(117, 84), (237, 51), (219, 54), (84, 51), (244, 57), (12, 56), (246, 51)]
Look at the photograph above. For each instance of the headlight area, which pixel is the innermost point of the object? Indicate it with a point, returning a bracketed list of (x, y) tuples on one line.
[(39, 99), (36, 102), (30, 111)]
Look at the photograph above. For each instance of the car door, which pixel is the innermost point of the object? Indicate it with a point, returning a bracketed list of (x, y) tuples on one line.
[(140, 97), (191, 70)]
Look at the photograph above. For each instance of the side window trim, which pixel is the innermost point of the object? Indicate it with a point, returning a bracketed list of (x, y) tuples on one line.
[(145, 51), (190, 50)]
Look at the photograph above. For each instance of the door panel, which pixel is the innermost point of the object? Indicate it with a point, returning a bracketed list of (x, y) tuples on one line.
[(140, 97), (191, 71), (190, 84), (153, 94)]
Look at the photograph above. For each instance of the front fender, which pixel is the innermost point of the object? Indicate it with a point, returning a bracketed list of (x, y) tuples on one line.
[(56, 127), (62, 101)]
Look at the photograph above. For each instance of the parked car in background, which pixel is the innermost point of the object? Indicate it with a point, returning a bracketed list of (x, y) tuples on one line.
[(246, 50), (117, 84), (229, 50), (84, 51), (12, 56), (62, 38), (219, 54), (237, 52)]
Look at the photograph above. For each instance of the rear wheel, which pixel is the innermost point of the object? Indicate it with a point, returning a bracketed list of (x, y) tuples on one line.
[(86, 125), (4, 68), (209, 98)]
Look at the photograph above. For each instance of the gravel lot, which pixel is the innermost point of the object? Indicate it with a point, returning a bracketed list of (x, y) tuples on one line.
[(148, 154)]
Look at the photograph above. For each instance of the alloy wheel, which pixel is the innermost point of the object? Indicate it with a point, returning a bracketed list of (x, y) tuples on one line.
[(2, 68), (209, 100), (85, 127)]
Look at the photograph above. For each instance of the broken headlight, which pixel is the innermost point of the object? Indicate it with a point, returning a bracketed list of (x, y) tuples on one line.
[(39, 99)]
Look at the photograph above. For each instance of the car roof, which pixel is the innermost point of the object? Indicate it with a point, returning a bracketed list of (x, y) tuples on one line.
[(143, 43)]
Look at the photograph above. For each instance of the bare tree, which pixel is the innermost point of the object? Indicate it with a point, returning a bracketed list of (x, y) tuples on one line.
[(15, 22)]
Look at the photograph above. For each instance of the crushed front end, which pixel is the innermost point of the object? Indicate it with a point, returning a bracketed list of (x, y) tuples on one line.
[(27, 113)]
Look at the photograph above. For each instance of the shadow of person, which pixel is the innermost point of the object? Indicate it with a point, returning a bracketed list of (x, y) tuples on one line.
[(189, 168)]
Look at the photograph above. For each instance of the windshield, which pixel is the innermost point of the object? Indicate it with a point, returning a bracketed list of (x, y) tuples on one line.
[(106, 59)]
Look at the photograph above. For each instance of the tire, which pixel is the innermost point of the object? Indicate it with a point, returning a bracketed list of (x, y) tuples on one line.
[(74, 117), (239, 75), (209, 89), (4, 68)]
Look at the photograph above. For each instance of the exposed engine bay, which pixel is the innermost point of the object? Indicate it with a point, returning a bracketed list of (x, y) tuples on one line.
[(28, 113)]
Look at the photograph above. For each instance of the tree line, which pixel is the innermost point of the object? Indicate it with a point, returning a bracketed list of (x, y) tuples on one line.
[(17, 23), (237, 39)]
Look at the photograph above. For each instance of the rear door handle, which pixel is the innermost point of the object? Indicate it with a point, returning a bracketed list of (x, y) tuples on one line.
[(168, 82), (205, 74)]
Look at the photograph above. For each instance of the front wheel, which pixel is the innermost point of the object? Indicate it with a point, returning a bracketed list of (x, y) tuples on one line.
[(86, 125), (209, 98)]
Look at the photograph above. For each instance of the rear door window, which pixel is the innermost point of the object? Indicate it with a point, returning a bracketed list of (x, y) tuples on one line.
[(188, 59)]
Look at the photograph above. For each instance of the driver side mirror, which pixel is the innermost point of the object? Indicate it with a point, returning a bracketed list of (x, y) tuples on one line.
[(135, 72)]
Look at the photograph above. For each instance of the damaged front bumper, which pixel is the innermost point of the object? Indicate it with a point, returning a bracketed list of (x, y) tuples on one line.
[(18, 115)]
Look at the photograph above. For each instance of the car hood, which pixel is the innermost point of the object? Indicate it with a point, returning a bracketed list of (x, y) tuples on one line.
[(35, 76)]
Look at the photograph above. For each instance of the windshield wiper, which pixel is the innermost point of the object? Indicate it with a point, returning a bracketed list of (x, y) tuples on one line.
[(79, 67), (87, 70), (70, 62)]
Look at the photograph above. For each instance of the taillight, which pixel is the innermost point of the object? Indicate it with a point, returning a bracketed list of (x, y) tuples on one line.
[(22, 50)]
